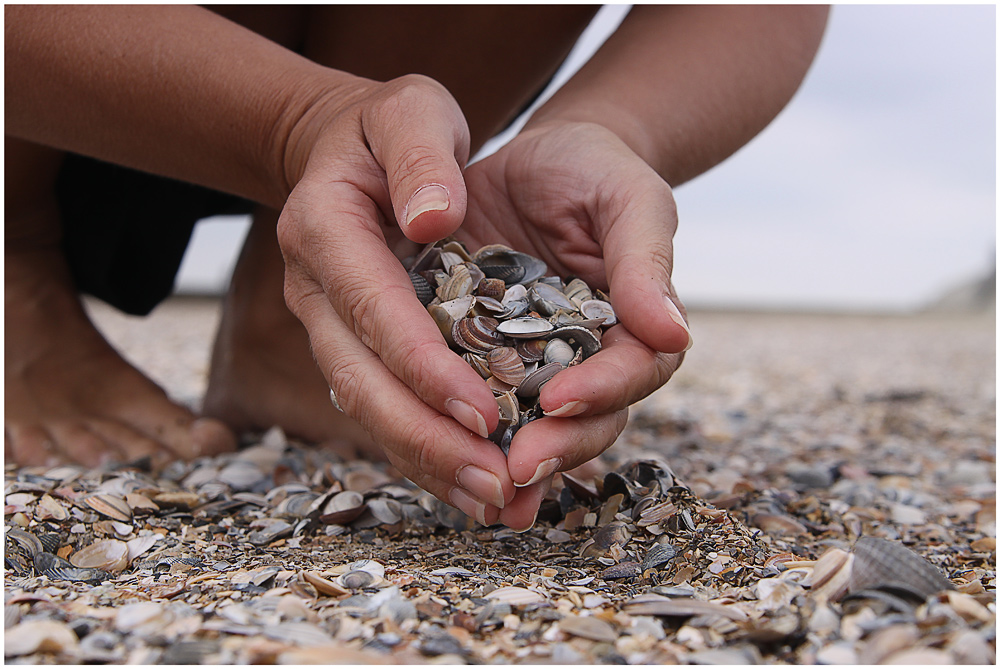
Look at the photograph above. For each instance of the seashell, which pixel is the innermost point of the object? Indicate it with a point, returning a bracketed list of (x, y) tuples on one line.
[(296, 506), (59, 569), (109, 555), (498, 387), (548, 300), (477, 334), (322, 585), (628, 569), (558, 351), (178, 499), (588, 342), (507, 437), (422, 287), (459, 284), (516, 596), (49, 507), (478, 363), (140, 504), (599, 310), (487, 306), (27, 542), (658, 555), (492, 288), (275, 530), (532, 383), (531, 350), (514, 308), (112, 506), (882, 564), (506, 365), (509, 408), (356, 579), (615, 532), (241, 475), (140, 545), (458, 249), (577, 291), (39, 636), (589, 627), (386, 511), (651, 604), (343, 508), (501, 260), (450, 258), (429, 257), (582, 491), (525, 327)]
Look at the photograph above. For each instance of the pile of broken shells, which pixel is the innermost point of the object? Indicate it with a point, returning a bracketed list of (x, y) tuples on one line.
[(515, 326), (285, 554)]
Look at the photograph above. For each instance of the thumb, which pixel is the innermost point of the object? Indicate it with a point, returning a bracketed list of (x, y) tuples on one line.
[(638, 252), (421, 139)]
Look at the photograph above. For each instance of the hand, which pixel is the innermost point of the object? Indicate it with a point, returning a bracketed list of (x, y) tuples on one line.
[(577, 197), (379, 162)]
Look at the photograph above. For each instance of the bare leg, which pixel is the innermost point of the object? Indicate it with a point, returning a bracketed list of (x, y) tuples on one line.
[(262, 371), (69, 396)]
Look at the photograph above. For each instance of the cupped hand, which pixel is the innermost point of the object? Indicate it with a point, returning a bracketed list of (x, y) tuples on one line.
[(377, 170), (577, 197)]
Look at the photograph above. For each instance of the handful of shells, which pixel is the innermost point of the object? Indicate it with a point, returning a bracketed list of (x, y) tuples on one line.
[(515, 326)]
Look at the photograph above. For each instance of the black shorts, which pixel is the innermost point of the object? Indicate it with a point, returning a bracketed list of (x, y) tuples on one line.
[(125, 231)]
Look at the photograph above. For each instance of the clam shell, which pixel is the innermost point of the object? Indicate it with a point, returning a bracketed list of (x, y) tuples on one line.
[(509, 409), (879, 563), (651, 604), (477, 334), (478, 363), (577, 291), (532, 383), (525, 327), (516, 596), (324, 586), (615, 532), (548, 299), (497, 260), (531, 350), (109, 555), (506, 365), (459, 284), (558, 351), (599, 309), (112, 506), (583, 337), (343, 508), (356, 579)]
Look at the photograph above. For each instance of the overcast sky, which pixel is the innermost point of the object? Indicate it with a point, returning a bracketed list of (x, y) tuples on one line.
[(874, 188)]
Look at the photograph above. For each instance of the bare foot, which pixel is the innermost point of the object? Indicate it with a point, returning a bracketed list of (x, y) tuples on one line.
[(262, 372), (69, 396)]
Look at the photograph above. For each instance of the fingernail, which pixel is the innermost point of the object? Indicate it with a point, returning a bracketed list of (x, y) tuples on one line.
[(467, 415), (573, 408), (676, 317), (482, 484), (545, 468), (468, 505), (432, 197), (533, 521)]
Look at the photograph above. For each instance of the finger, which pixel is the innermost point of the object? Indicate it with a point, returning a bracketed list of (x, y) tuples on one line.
[(431, 449), (522, 512), (547, 445), (370, 289), (623, 372), (638, 252), (420, 138)]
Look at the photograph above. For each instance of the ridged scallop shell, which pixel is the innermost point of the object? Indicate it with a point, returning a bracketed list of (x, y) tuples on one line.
[(879, 563), (477, 334), (423, 288), (59, 569), (506, 365), (658, 554)]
